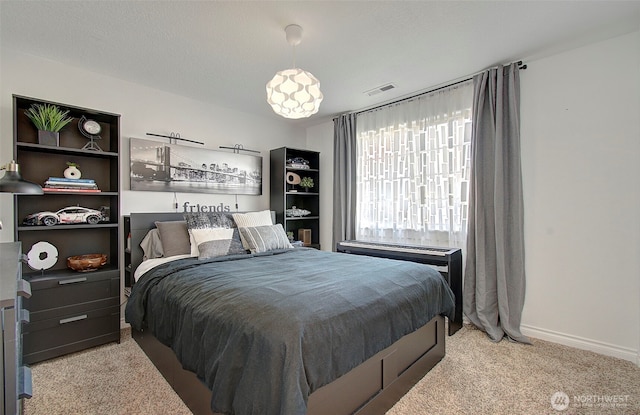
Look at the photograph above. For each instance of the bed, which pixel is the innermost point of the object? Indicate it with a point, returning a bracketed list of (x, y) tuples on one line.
[(287, 330)]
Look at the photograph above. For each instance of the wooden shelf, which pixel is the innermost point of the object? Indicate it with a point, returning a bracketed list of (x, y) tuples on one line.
[(36, 275), (303, 193), (82, 193), (43, 228), (65, 150), (301, 170), (282, 198), (94, 295)]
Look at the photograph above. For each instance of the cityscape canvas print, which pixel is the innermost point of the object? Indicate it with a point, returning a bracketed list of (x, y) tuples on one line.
[(165, 167)]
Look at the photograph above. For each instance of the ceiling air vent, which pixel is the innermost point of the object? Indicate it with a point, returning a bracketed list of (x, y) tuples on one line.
[(379, 89)]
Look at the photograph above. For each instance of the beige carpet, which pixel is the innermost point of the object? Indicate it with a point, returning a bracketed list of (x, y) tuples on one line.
[(114, 379), (476, 377)]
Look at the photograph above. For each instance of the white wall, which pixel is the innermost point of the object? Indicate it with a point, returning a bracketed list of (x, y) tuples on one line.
[(580, 154), (580, 151), (142, 110), (580, 148)]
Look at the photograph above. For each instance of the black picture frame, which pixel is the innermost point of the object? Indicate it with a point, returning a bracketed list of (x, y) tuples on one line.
[(167, 167)]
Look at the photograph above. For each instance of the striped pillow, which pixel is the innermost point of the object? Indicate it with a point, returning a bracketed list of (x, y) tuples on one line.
[(251, 219), (265, 238)]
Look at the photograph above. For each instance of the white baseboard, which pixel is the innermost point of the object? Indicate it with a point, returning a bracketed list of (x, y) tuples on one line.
[(582, 343)]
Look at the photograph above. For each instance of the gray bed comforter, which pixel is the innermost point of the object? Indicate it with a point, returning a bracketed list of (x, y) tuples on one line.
[(264, 331)]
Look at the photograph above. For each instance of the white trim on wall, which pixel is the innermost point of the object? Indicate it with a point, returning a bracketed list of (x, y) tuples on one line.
[(580, 172), (582, 343)]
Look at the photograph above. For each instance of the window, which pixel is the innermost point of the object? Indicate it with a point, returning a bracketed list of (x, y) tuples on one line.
[(413, 167)]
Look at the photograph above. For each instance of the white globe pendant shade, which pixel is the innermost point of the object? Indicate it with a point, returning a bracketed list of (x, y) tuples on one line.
[(294, 93)]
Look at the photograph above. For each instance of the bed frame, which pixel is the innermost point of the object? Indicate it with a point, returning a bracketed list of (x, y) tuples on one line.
[(371, 388)]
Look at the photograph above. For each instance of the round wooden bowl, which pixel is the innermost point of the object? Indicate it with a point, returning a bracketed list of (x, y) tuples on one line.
[(85, 263)]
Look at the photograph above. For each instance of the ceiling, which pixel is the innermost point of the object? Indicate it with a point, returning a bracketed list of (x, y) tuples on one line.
[(224, 52)]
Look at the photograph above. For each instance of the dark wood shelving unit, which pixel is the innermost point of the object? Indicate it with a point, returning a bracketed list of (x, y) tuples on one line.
[(285, 196), (127, 266), (78, 310)]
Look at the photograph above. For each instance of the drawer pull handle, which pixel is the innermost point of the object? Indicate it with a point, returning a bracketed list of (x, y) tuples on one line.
[(24, 289), (72, 319), (72, 281), (25, 317)]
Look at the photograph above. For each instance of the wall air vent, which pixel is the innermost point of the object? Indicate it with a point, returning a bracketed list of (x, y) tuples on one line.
[(379, 89)]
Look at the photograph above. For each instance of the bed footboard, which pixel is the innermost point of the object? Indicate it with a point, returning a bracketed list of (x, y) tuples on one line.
[(373, 387), (377, 384)]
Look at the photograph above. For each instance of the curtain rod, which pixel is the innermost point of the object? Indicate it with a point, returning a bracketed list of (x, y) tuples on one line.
[(465, 79)]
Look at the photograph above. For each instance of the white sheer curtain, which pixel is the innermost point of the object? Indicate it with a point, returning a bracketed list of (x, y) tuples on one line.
[(413, 166)]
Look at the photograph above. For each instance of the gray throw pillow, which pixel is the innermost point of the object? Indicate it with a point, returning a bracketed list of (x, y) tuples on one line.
[(215, 246), (215, 234), (265, 238), (152, 245), (174, 237), (202, 220)]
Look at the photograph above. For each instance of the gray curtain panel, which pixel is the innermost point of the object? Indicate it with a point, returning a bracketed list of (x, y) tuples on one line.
[(344, 178), (494, 283)]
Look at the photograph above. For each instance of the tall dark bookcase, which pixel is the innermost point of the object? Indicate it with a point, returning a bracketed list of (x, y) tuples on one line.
[(69, 310), (286, 196)]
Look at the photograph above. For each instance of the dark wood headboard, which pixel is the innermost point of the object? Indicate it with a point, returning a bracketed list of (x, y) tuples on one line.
[(141, 223)]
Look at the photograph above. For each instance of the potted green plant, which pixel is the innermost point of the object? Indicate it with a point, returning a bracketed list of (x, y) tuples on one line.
[(307, 183), (49, 119)]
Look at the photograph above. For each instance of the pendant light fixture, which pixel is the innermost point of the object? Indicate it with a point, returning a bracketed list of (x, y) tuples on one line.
[(294, 93), (12, 182)]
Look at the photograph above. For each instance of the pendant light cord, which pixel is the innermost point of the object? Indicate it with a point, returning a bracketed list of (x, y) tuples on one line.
[(293, 56)]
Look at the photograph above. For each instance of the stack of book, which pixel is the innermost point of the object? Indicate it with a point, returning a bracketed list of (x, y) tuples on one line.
[(62, 184)]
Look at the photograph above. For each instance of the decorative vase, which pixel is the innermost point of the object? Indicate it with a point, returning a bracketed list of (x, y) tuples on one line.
[(49, 138), (72, 172)]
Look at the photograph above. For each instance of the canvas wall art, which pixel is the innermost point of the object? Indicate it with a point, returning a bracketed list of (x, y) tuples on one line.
[(166, 167)]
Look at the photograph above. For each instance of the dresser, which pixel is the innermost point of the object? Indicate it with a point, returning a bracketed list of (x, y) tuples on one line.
[(71, 312), (16, 379)]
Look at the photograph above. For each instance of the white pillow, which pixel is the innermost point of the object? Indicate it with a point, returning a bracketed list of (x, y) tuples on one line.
[(252, 219), (194, 245), (209, 234)]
